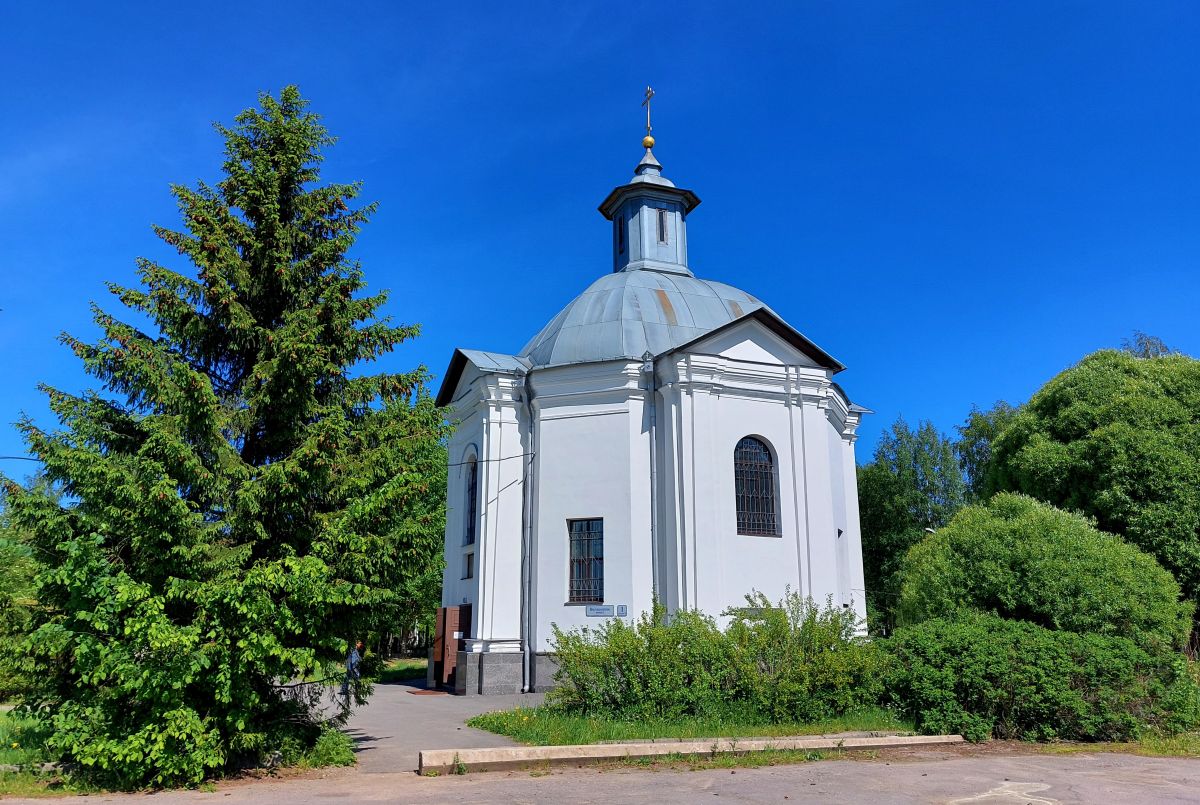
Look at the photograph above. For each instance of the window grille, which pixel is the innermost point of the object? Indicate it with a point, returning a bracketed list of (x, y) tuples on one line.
[(472, 504), (754, 487), (587, 561)]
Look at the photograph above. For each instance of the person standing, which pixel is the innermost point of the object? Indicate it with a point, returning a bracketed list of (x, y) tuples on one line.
[(353, 666)]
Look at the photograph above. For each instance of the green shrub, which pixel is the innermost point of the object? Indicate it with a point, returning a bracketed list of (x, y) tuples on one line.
[(658, 667), (985, 676), (791, 661), (799, 662), (1019, 558)]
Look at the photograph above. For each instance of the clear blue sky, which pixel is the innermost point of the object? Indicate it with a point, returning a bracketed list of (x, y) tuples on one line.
[(957, 200)]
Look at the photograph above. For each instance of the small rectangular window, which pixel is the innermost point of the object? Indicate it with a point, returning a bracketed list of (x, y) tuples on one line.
[(587, 561), (662, 226), (468, 571), (620, 235)]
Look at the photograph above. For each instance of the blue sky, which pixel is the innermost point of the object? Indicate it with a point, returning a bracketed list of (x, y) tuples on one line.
[(957, 200)]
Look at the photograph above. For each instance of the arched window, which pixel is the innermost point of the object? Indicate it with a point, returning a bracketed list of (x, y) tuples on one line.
[(472, 504), (754, 487)]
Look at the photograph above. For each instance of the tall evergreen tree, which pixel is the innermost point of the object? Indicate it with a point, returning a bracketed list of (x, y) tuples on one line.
[(236, 497), (17, 602)]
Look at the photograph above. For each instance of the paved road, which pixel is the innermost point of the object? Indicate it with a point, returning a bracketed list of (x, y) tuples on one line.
[(982, 780), (398, 723)]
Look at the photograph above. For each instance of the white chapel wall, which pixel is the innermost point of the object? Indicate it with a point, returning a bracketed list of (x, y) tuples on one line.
[(592, 461), (746, 381)]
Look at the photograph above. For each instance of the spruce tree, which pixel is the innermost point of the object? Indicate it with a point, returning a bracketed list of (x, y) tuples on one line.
[(241, 497)]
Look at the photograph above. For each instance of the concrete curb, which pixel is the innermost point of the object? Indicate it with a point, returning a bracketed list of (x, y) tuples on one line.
[(447, 761)]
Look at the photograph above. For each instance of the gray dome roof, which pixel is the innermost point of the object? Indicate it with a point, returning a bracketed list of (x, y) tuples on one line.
[(629, 313)]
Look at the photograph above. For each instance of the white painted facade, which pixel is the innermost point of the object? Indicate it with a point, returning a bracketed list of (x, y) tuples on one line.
[(639, 429)]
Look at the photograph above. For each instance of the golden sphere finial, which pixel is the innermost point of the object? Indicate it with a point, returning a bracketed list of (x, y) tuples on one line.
[(647, 141)]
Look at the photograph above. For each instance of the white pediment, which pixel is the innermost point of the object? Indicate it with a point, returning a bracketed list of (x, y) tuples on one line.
[(752, 342)]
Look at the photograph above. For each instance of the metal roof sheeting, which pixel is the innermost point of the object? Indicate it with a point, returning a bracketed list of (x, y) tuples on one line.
[(495, 361), (624, 315), (630, 313)]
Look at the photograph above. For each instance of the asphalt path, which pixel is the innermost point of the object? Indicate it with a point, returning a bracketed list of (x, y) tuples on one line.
[(1038, 779), (403, 719)]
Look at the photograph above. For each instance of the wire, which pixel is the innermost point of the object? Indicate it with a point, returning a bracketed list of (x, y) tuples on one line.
[(484, 460), (458, 464)]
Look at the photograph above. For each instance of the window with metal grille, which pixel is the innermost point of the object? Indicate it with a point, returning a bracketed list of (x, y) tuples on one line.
[(754, 487), (587, 561), (662, 226), (472, 505)]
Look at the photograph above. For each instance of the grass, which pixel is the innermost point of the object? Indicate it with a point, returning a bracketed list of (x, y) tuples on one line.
[(541, 726), (1183, 745), (333, 748), (28, 785), (732, 760), (403, 669), (15, 749)]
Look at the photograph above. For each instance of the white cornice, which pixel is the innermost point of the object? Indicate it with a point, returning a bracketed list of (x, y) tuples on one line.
[(719, 375), (850, 429), (577, 384)]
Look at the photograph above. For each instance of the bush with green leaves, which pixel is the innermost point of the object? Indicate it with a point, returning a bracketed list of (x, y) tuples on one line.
[(984, 676), (795, 661), (1018, 558), (1116, 437), (658, 667), (243, 496), (786, 661)]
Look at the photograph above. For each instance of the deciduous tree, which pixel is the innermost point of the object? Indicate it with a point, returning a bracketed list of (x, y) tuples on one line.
[(1116, 437), (912, 484), (974, 446)]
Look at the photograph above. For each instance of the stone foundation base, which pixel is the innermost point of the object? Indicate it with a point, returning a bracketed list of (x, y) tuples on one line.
[(544, 667), (495, 673)]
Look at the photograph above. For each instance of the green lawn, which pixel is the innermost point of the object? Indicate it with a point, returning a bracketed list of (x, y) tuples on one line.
[(403, 669), (541, 726), (13, 747)]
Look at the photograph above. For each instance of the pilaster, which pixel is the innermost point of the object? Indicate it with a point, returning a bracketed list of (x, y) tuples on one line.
[(818, 491)]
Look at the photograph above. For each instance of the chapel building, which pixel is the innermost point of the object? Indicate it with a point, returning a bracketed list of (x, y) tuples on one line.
[(663, 435)]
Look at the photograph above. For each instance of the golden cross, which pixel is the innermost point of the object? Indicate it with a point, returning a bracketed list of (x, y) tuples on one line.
[(646, 103)]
